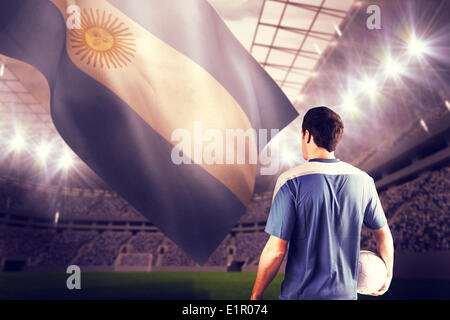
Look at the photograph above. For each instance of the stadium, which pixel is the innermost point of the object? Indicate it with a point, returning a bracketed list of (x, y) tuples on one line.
[(391, 86)]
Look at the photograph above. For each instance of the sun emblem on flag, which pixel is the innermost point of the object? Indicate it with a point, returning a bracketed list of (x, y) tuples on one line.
[(103, 41)]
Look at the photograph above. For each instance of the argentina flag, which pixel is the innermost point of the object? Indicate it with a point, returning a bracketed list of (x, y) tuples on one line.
[(124, 75)]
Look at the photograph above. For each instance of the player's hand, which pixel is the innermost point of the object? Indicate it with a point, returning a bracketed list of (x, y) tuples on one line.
[(384, 288), (256, 297)]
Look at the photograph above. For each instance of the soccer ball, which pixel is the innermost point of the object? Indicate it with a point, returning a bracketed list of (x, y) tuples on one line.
[(372, 272)]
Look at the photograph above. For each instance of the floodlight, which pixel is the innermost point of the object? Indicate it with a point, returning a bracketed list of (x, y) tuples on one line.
[(416, 47)]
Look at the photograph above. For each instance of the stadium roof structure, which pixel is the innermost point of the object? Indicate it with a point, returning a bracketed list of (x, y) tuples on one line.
[(18, 101), (291, 37), (314, 49)]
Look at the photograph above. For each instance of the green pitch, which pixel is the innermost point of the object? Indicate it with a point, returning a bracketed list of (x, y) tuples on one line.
[(179, 285), (134, 285)]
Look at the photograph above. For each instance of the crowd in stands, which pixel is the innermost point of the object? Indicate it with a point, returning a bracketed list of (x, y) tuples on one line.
[(135, 260), (63, 248), (258, 209), (22, 243), (144, 242), (220, 256), (103, 250), (174, 256), (97, 207), (22, 200), (42, 203), (250, 245), (417, 211)]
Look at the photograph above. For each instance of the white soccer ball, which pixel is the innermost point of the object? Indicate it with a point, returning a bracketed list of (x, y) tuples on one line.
[(372, 272)]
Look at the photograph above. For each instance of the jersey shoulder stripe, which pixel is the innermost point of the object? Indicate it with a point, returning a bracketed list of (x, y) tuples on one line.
[(312, 167)]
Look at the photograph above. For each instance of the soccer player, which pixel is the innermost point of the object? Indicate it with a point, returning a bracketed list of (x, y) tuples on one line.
[(316, 216)]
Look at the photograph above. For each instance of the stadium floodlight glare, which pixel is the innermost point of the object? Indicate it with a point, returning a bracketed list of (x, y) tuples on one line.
[(349, 103), (393, 68), (369, 87), (416, 47), (424, 125), (338, 30), (66, 161), (56, 217), (42, 151), (447, 104), (18, 142)]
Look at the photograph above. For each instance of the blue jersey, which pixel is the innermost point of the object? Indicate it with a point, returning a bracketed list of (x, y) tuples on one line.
[(319, 207)]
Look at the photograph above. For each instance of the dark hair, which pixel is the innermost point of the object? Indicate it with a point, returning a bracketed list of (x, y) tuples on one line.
[(325, 126)]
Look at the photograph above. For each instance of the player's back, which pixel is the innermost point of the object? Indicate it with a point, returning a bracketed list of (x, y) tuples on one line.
[(320, 207)]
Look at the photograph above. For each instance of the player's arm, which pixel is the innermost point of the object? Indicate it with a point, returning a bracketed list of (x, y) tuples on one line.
[(269, 263), (385, 247)]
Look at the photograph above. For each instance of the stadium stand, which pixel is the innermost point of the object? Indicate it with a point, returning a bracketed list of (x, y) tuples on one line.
[(249, 246), (224, 253), (24, 243), (103, 249), (417, 211), (144, 242), (63, 248), (135, 260), (171, 255), (258, 209), (98, 207)]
